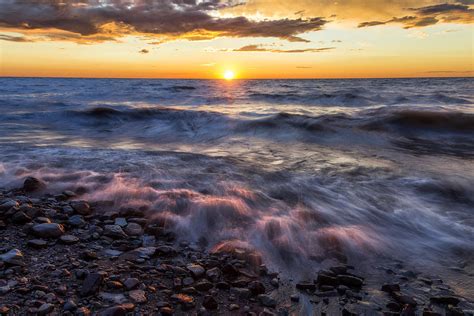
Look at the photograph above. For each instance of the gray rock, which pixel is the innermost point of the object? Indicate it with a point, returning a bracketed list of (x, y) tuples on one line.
[(114, 231), (37, 243), (116, 298), (20, 218), (81, 207), (267, 300), (131, 283), (138, 296), (13, 257), (91, 284), (70, 305), (32, 184), (133, 229), (45, 309), (5, 205), (196, 270), (68, 239), (76, 221), (48, 230), (121, 221)]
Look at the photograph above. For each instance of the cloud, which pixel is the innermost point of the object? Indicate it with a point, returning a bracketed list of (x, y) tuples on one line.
[(258, 48), (430, 15), (144, 51), (19, 39), (166, 19)]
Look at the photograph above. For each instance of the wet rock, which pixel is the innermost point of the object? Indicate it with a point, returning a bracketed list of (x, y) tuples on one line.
[(133, 229), (131, 283), (267, 300), (256, 288), (121, 221), (13, 257), (240, 292), (32, 184), (37, 243), (82, 311), (114, 231), (306, 286), (445, 300), (45, 309), (6, 205), (209, 302), (295, 298), (118, 310), (403, 299), (324, 279), (186, 301), (70, 305), (166, 311), (81, 207), (68, 239), (48, 230), (203, 285), (76, 221), (389, 288), (196, 270), (213, 274), (116, 298), (20, 218), (91, 284), (350, 280), (138, 296)]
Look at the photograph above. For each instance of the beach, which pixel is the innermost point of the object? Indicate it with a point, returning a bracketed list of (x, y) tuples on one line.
[(258, 197)]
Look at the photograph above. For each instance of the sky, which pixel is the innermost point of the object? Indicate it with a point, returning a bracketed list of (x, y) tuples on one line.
[(249, 38)]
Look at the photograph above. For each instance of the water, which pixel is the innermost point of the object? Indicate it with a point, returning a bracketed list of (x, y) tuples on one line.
[(296, 171)]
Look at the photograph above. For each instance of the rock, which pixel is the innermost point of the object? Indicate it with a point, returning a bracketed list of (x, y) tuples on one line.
[(403, 299), (131, 283), (295, 298), (48, 230), (37, 243), (91, 284), (81, 207), (116, 298), (240, 292), (83, 311), (6, 205), (13, 257), (166, 311), (209, 302), (32, 184), (133, 229), (350, 280), (267, 300), (389, 288), (304, 285), (324, 279), (203, 285), (121, 221), (138, 296), (118, 310), (256, 288), (233, 307), (68, 239), (142, 252), (186, 301), (196, 270), (230, 271), (45, 309), (70, 305), (445, 300), (114, 231), (20, 218), (213, 274), (76, 221)]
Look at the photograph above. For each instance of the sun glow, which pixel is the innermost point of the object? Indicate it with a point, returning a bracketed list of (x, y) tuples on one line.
[(229, 75)]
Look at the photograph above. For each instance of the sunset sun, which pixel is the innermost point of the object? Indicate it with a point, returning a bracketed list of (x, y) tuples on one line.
[(229, 75)]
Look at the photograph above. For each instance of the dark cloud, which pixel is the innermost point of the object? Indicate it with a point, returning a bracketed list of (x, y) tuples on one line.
[(144, 51), (19, 39), (430, 15), (258, 48), (189, 19)]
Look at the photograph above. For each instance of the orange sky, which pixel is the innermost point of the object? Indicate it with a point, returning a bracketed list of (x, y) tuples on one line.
[(256, 39)]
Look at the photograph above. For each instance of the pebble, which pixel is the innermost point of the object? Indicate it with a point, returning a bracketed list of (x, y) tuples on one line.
[(91, 284), (13, 257), (196, 270), (114, 231), (138, 296), (48, 230), (81, 207), (37, 243), (68, 239), (131, 283)]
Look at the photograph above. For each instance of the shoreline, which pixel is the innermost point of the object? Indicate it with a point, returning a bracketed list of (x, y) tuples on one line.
[(62, 256)]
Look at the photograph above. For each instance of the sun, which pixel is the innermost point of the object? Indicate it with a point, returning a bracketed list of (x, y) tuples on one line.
[(229, 75)]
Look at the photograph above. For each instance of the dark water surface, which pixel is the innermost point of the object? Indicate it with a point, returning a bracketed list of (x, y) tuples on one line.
[(296, 170)]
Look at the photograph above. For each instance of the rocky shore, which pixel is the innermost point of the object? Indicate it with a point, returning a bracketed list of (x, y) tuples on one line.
[(63, 256)]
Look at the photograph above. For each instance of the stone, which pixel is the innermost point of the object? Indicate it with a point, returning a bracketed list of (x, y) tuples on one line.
[(116, 298), (445, 300), (295, 298), (138, 296), (13, 257), (114, 231), (91, 284), (37, 243), (70, 305), (403, 299), (306, 286), (6, 205), (118, 310), (389, 288), (213, 274), (48, 230), (45, 309), (68, 239), (203, 285), (267, 300), (131, 283), (233, 307), (121, 221), (256, 288), (186, 301), (20, 218), (350, 280), (83, 311), (209, 302), (32, 184), (76, 221), (81, 207), (133, 229), (196, 270), (324, 279)]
